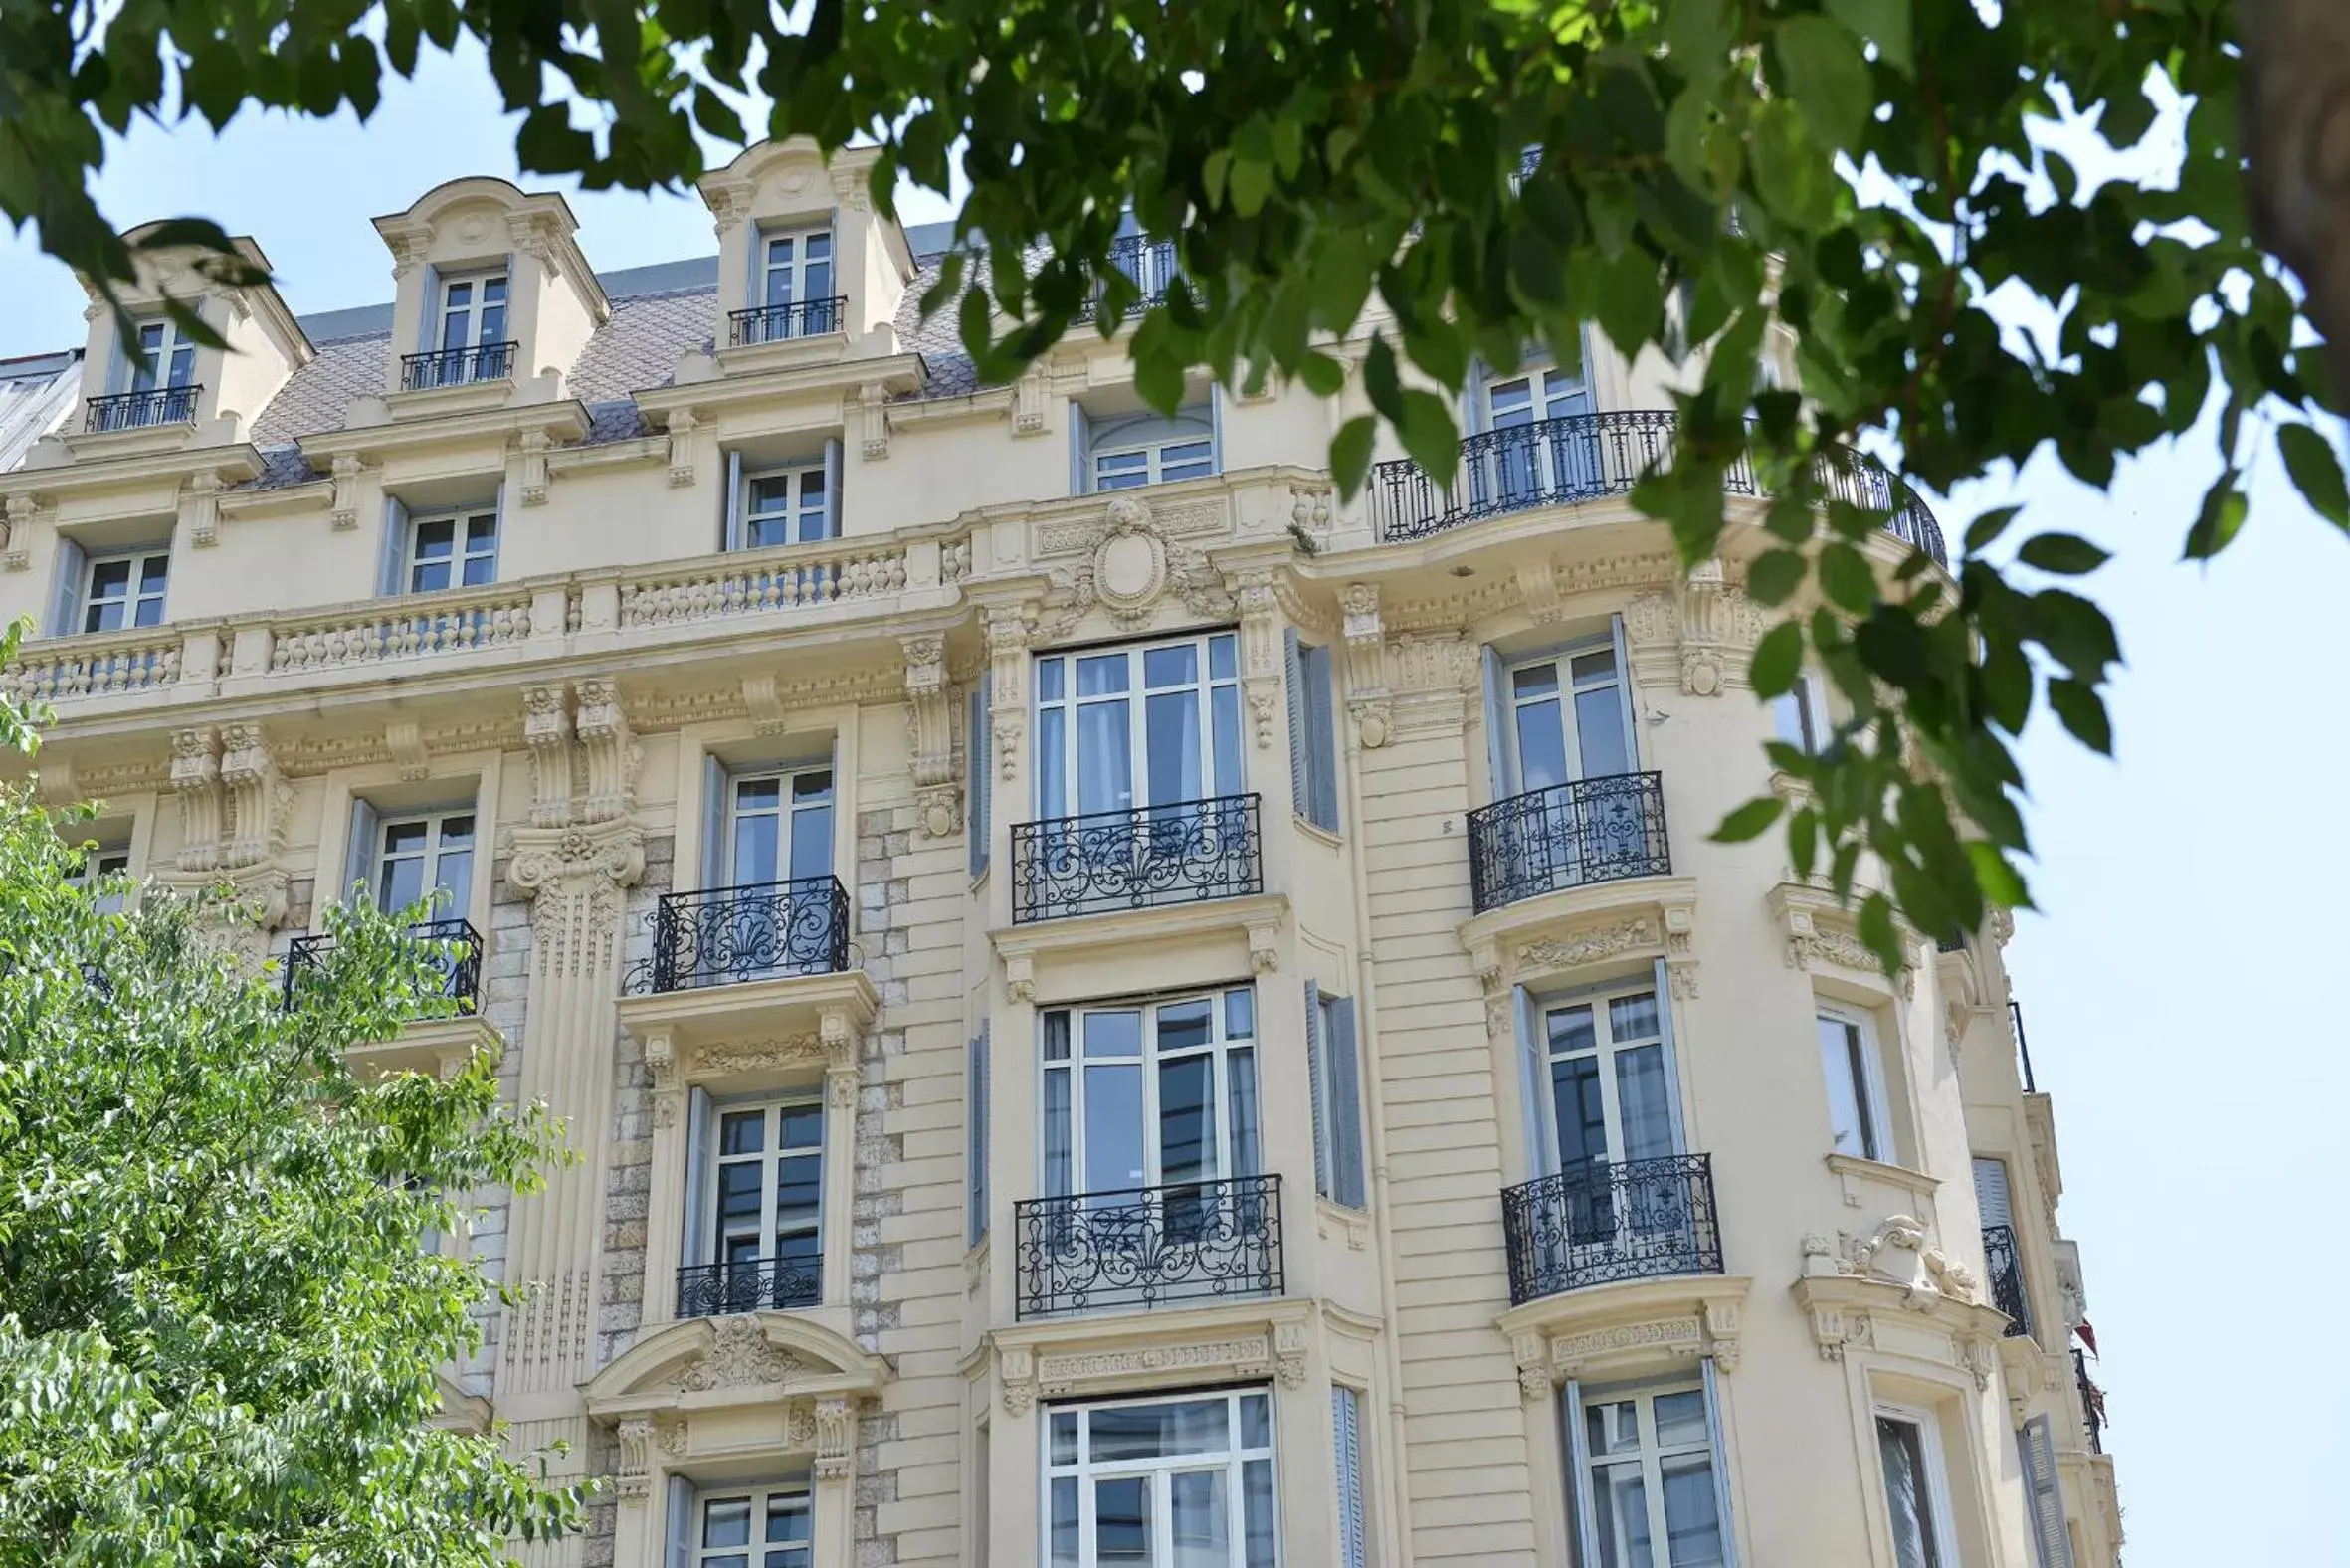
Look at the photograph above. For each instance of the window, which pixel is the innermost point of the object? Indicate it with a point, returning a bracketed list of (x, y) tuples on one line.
[(1184, 1482), (166, 358), (1313, 734), (125, 590), (779, 825), (2052, 1537), (1129, 451), (976, 1109), (1800, 717), (101, 861), (1124, 727), (1565, 716), (786, 506), (1856, 1091), (765, 1192), (1150, 1094), (1610, 1097), (1537, 395), (1650, 1458), (452, 550), (472, 316), (1532, 445), (979, 764), (769, 1527), (414, 855), (795, 285), (1335, 1069), (1916, 1496), (1346, 1441)]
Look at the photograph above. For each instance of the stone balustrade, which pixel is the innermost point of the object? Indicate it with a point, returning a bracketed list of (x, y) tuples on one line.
[(832, 572), (99, 665), (434, 624)]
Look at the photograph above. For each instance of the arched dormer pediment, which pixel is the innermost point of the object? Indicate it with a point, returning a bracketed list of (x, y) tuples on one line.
[(753, 1359)]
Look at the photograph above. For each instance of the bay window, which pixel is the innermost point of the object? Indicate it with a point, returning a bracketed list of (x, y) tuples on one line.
[(1154, 725), (1184, 1480), (754, 1234), (1150, 1094), (1648, 1483)]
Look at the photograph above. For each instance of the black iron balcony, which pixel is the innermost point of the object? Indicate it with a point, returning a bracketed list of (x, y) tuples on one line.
[(1567, 835), (1183, 852), (1581, 457), (1603, 1224), (1149, 263), (1149, 1246), (769, 1284), (758, 932), (2092, 1400), (461, 964), (458, 367), (2005, 1269), (776, 324), (137, 410)]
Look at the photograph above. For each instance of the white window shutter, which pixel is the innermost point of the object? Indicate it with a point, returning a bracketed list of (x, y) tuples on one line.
[(2052, 1543), (681, 1523), (1346, 1122), (832, 486), (1300, 769), (1570, 1413), (1080, 451), (428, 336), (1323, 736), (1624, 694), (1348, 1443), (496, 540), (1313, 1071), (1990, 1192), (696, 1243), (977, 1110), (1498, 727), (713, 823), (976, 751), (392, 558), (730, 529), (359, 861), (65, 600), (1541, 1149), (1721, 1465), (1216, 428)]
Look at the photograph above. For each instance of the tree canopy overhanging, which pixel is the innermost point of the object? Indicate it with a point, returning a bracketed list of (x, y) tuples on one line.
[(220, 1317), (1402, 190)]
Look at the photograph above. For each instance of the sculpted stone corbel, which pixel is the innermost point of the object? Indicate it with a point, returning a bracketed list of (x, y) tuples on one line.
[(257, 797), (404, 739), (1367, 697), (681, 432), (1260, 651), (836, 1437), (199, 509), (611, 751), (633, 1478), (546, 730), (872, 422), (931, 737), (195, 781), (1008, 631), (530, 467), (22, 509), (838, 1034), (1016, 1371)]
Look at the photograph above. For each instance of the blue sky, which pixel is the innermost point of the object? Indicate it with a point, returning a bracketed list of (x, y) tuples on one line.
[(2176, 887)]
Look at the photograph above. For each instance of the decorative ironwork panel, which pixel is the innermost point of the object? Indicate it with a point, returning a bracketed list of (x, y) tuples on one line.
[(1148, 1246), (1580, 457), (137, 410), (2006, 1267), (771, 1285), (460, 961), (2092, 1400), (1589, 830), (1149, 263), (1135, 860), (776, 324), (1604, 1223), (757, 931), (456, 367)]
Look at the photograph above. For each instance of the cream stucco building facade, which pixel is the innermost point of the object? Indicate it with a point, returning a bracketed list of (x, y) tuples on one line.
[(1116, 1008)]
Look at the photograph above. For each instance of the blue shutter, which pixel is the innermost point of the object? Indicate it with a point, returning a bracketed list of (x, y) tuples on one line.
[(1346, 1124), (428, 336), (978, 1111), (65, 596), (713, 823), (695, 1246), (1624, 692), (1570, 1408), (976, 752), (1347, 1441), (832, 486), (1216, 427), (359, 861), (392, 557), (1081, 452), (1321, 739), (731, 531), (496, 540), (1541, 1151), (1313, 1071), (1498, 727), (1300, 773), (2052, 1542), (1721, 1465), (681, 1523), (1664, 983)]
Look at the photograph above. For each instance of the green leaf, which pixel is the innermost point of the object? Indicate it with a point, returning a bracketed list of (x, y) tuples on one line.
[(2316, 473), (1749, 820), (1630, 298), (1775, 575), (1778, 659), (2220, 517), (1803, 840), (2066, 554), (1350, 453), (1986, 530), (2001, 882), (1323, 376), (1826, 74), (1845, 577), (1790, 172), (2077, 702), (1884, 22)]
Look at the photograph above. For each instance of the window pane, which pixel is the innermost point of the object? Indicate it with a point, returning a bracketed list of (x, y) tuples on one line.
[(726, 1522), (1240, 1071), (1256, 1422), (1059, 1159), (435, 539), (1240, 1013), (1541, 746), (757, 794), (1643, 1104), (456, 831), (1173, 740), (1188, 459), (1224, 706), (479, 569), (151, 573), (1187, 1120), (1222, 660), (811, 787), (1571, 1029), (1901, 1448), (1171, 666), (1121, 1521), (1599, 733), (1534, 680), (481, 533), (1612, 1428), (803, 1127), (1113, 1128), (403, 884), (738, 1193), (1257, 1512), (1112, 1034), (1681, 1419), (1047, 680), (1511, 402), (787, 1519), (1105, 763), (1202, 1518), (811, 842), (1161, 1431), (110, 579), (1102, 676), (755, 849), (1633, 1017), (1057, 1036), (1051, 765), (797, 1179), (1579, 1113), (1067, 1551), (1064, 1437), (1184, 1025), (1848, 1121), (1622, 1499), (742, 1132), (1692, 1523)]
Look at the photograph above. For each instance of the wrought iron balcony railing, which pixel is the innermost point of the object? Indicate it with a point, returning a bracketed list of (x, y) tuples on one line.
[(758, 932), (461, 965), (2005, 1269), (1581, 457), (770, 1284), (776, 324), (1182, 853), (1603, 1224), (456, 367), (1149, 1246), (1149, 264), (2022, 1044), (1567, 835), (2092, 1400), (137, 410)]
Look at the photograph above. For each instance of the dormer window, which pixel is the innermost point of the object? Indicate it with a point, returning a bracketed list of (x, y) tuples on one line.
[(791, 289), (1129, 451), (166, 358), (124, 590), (452, 550), (795, 502), (154, 386), (466, 339)]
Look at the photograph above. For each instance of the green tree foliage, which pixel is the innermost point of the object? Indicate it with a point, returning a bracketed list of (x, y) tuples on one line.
[(1352, 173), (219, 1326)]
